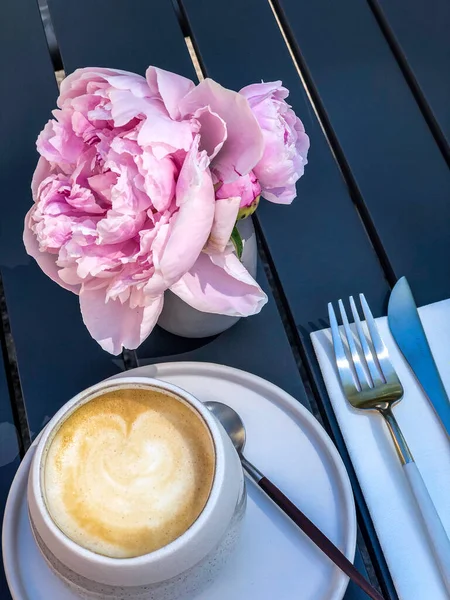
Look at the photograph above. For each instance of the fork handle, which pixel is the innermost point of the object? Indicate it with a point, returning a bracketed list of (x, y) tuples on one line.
[(438, 538)]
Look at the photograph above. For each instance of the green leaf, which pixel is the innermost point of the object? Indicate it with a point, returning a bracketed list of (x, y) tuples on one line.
[(237, 242)]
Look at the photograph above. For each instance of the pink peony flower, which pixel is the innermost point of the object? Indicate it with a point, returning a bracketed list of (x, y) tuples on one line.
[(247, 188), (285, 141), (243, 196), (124, 203)]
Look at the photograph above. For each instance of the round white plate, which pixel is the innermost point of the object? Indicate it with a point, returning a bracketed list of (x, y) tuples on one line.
[(274, 558)]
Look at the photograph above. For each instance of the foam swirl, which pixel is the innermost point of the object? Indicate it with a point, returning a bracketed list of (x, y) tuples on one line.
[(129, 472)]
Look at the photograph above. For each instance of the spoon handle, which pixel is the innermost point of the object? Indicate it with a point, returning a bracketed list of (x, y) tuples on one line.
[(313, 532)]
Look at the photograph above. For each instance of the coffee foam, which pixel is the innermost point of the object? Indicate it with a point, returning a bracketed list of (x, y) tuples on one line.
[(129, 472)]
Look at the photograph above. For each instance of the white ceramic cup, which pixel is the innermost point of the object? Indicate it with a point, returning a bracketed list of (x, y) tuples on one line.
[(177, 570)]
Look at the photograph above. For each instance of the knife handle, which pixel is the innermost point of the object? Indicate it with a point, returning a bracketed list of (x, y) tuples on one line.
[(437, 536)]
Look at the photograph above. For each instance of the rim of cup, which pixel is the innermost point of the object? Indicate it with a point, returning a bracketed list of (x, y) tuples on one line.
[(84, 397)]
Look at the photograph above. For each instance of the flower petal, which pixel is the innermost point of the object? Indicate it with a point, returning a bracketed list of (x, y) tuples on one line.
[(257, 92), (213, 131), (192, 224), (115, 325), (159, 128), (58, 143), (220, 283), (246, 187), (118, 227), (225, 215), (126, 106), (170, 87), (77, 82), (42, 171), (45, 260), (102, 183), (159, 179), (243, 147)]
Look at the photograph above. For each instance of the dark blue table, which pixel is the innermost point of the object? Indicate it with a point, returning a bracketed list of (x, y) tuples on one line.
[(370, 82)]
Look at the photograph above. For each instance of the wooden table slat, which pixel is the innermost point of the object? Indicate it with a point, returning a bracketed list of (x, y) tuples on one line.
[(56, 355), (319, 247), (130, 36), (402, 176), (422, 34)]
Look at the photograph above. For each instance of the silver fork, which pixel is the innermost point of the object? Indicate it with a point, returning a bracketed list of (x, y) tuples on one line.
[(371, 383)]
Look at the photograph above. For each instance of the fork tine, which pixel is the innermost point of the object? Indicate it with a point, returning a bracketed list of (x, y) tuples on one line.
[(345, 372), (368, 356), (381, 351), (361, 376)]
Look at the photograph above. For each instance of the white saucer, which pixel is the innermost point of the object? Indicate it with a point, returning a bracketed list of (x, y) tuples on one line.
[(274, 558)]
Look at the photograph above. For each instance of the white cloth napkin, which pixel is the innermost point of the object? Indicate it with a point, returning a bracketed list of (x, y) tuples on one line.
[(386, 491)]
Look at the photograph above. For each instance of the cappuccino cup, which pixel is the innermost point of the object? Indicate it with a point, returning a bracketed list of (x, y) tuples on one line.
[(135, 491)]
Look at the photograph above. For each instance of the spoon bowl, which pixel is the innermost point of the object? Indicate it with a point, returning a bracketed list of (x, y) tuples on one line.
[(231, 422)]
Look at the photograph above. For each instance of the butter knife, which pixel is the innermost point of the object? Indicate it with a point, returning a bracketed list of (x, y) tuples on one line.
[(407, 330)]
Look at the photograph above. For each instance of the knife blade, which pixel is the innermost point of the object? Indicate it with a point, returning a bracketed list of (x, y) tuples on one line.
[(407, 330)]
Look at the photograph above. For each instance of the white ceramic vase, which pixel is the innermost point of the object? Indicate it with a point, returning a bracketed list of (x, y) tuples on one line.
[(181, 319)]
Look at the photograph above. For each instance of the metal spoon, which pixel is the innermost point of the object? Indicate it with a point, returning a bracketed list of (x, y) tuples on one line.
[(233, 425)]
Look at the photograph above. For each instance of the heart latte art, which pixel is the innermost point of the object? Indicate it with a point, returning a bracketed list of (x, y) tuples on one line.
[(129, 471)]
